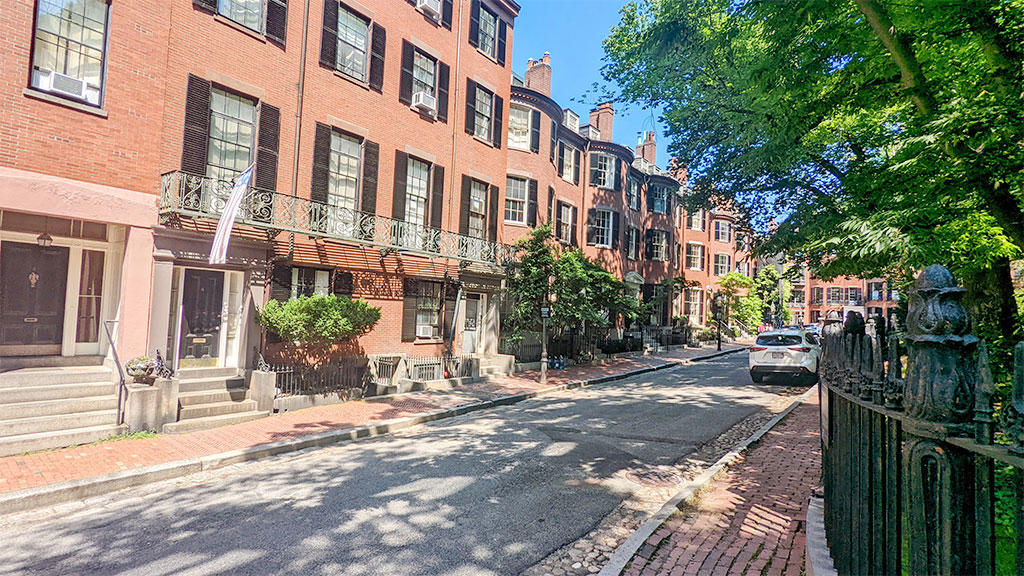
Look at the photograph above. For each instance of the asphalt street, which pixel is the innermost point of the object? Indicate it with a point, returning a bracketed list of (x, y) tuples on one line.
[(489, 493)]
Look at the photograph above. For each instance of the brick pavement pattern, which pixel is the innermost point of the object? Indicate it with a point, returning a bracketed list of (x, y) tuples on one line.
[(752, 521), (55, 466)]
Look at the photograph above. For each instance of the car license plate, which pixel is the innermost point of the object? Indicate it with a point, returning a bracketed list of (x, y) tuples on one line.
[(778, 354)]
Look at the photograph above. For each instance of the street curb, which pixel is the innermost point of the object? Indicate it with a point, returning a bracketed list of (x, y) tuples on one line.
[(817, 558), (32, 498), (627, 550)]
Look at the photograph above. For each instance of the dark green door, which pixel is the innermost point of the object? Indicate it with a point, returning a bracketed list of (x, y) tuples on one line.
[(202, 298), (33, 283)]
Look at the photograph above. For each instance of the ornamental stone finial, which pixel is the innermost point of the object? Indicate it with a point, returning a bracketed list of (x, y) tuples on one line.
[(941, 370)]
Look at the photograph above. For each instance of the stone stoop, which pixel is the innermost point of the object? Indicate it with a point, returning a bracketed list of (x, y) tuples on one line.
[(208, 398), (54, 407)]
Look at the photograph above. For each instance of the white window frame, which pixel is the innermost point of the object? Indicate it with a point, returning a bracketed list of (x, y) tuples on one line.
[(513, 203), (659, 245), (603, 225), (722, 268), (833, 290), (695, 220), (486, 36), (349, 39), (428, 305), (73, 46), (519, 129), (565, 219), (605, 170), (660, 198), (321, 282), (231, 9), (633, 194), (483, 123), (568, 163), (699, 256), (240, 124), (419, 84), (723, 231), (416, 198), (633, 248), (478, 210)]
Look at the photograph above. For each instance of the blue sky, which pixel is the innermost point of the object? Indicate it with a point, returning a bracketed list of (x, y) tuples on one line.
[(572, 31)]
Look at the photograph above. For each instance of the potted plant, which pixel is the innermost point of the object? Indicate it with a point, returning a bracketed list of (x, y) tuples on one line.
[(142, 369)]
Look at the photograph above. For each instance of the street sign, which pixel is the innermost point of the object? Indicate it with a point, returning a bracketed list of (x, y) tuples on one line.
[(545, 312)]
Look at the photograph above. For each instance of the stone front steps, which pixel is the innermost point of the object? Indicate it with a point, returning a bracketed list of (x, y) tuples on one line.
[(209, 398)]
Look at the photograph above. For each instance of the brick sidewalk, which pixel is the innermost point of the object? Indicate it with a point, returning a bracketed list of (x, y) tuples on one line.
[(55, 466), (752, 521)]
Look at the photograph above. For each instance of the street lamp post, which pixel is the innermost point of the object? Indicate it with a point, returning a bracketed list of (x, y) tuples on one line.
[(718, 318), (545, 311)]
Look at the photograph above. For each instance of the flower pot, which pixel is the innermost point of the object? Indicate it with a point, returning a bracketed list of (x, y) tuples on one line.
[(147, 380)]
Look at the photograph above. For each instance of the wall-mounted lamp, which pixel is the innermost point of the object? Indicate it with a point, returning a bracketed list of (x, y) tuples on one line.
[(44, 240)]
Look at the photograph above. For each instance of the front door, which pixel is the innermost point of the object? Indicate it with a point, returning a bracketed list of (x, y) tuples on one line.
[(471, 328), (33, 284), (201, 303)]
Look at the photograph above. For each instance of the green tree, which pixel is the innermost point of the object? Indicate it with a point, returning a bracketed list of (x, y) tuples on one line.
[(766, 287), (735, 287), (319, 322)]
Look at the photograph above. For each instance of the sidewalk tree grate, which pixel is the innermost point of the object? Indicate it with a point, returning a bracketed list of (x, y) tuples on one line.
[(648, 477)]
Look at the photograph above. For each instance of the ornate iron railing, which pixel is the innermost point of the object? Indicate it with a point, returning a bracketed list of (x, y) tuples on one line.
[(910, 464), (201, 197)]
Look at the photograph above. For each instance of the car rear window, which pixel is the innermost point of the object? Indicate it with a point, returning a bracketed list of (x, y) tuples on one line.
[(779, 340)]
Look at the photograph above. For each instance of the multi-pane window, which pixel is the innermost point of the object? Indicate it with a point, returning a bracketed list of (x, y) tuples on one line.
[(602, 228), (633, 194), (723, 231), (564, 222), (310, 282), (416, 183), (694, 256), (601, 173), (353, 35), (659, 245), (741, 242), (428, 307), (797, 297), (423, 73), (875, 291), (232, 135), (90, 297), (633, 248), (743, 268), (69, 47), (853, 296), (515, 200), (343, 182), (248, 13), (482, 123), (723, 262), (660, 199), (835, 295), (892, 294), (488, 32), (817, 295), (519, 128), (692, 307), (568, 164), (695, 221), (477, 209)]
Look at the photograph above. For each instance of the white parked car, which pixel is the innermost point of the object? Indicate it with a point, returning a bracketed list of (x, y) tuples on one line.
[(785, 352)]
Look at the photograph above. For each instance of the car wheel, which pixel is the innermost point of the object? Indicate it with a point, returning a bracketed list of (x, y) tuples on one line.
[(757, 378)]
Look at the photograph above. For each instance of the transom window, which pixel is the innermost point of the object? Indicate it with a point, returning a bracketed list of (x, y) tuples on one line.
[(515, 200), (488, 32), (232, 134), (69, 48), (343, 184), (477, 209), (659, 245), (660, 195), (248, 13), (694, 256), (601, 174), (423, 73), (723, 231), (482, 125), (519, 128), (416, 183), (602, 228), (353, 35), (695, 221), (633, 194), (723, 262)]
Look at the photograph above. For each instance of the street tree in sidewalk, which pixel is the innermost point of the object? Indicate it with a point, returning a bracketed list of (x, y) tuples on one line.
[(740, 299), (766, 288)]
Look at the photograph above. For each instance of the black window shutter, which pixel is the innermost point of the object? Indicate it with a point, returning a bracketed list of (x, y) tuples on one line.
[(210, 5), (451, 293), (591, 228), (551, 203), (649, 244), (277, 20), (492, 215), (437, 196), (405, 84), (446, 14), (561, 158), (467, 196), (266, 151), (281, 283), (474, 23), (321, 163), (576, 167), (329, 35), (554, 140), (558, 221), (378, 46), (618, 175), (197, 126), (594, 171), (411, 291), (703, 259), (575, 220), (401, 169), (342, 284), (371, 162), (615, 230), (502, 31), (496, 132), (650, 197), (470, 106), (534, 131), (531, 206), (443, 73)]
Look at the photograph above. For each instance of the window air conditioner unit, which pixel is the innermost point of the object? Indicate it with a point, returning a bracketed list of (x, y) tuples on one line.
[(424, 331), (66, 85), (424, 102), (431, 8)]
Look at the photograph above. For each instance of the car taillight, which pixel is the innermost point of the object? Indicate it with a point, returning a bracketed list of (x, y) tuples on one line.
[(757, 349), (799, 349)]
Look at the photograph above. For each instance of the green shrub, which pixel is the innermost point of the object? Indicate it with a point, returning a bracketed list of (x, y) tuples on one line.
[(319, 320)]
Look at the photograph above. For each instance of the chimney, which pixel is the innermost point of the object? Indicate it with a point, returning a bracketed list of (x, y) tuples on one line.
[(601, 118), (538, 74), (648, 148)]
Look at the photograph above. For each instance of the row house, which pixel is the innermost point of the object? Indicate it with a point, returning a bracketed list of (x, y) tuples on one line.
[(812, 298)]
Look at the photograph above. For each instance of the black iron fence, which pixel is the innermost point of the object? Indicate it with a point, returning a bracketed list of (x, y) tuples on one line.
[(919, 476), (335, 377)]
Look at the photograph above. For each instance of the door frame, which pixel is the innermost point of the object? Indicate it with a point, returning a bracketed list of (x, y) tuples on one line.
[(228, 358)]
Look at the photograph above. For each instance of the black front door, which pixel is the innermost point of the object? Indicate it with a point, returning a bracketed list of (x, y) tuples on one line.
[(33, 281), (202, 298)]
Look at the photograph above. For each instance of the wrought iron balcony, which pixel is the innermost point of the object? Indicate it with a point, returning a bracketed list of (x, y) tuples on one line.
[(202, 197)]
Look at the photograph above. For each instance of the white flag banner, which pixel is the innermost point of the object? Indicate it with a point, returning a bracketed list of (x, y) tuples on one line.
[(219, 251)]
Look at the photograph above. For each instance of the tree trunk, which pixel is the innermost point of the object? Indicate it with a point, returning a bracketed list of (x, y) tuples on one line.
[(991, 301)]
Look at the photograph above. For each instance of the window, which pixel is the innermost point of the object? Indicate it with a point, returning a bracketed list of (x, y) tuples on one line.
[(743, 268), (817, 295), (694, 256), (477, 209), (659, 201), (892, 295), (90, 297), (853, 296), (601, 228), (353, 35), (232, 135), (723, 263), (815, 316), (569, 164), (69, 48), (519, 128), (564, 222), (482, 119), (310, 282), (343, 185), (633, 248), (602, 171), (571, 120), (659, 245), (695, 221), (416, 184), (779, 340), (835, 295), (633, 194), (428, 307), (693, 305), (741, 242), (488, 32), (797, 297), (515, 200), (423, 73), (723, 231), (248, 13), (875, 291)]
